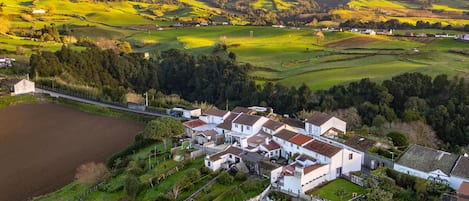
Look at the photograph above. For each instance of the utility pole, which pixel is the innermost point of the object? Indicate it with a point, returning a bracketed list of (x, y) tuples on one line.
[(146, 98), (226, 107)]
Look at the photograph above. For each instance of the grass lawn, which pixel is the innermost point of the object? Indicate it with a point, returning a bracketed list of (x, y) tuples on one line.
[(328, 191), (6, 101)]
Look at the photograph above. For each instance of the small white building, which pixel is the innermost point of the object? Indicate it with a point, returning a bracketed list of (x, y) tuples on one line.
[(460, 172), (189, 112), (321, 124), (427, 163), (225, 159), (214, 116), (20, 86), (39, 11)]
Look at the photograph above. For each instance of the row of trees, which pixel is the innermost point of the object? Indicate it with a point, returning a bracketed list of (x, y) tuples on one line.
[(441, 102), (395, 24)]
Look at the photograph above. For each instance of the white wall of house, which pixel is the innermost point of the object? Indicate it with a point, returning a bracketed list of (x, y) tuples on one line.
[(274, 174), (249, 129), (314, 178), (312, 129), (23, 87), (321, 158), (191, 113), (213, 165), (455, 182), (211, 119), (336, 163), (292, 183), (351, 161), (410, 171)]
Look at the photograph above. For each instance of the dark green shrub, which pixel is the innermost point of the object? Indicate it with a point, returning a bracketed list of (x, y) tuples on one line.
[(225, 178), (205, 170), (398, 139), (241, 176)]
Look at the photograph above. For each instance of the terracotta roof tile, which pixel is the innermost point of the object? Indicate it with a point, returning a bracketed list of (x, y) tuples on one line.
[(311, 168), (285, 134), (194, 123), (230, 150), (319, 118), (463, 189), (300, 139), (246, 119), (271, 146), (216, 112), (322, 148)]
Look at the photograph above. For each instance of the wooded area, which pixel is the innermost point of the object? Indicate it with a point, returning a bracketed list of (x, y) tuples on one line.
[(440, 102)]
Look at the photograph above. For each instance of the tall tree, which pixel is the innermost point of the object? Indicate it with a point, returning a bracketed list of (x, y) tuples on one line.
[(163, 129)]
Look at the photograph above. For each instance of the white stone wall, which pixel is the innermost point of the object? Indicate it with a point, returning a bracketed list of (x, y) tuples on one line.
[(24, 87)]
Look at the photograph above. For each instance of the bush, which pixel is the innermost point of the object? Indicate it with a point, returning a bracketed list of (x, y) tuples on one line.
[(132, 186), (398, 139), (193, 174), (136, 145), (240, 176), (225, 178), (205, 170)]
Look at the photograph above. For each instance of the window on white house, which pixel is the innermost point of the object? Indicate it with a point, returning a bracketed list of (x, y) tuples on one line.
[(350, 156), (297, 147), (247, 127), (236, 125), (208, 163), (231, 156)]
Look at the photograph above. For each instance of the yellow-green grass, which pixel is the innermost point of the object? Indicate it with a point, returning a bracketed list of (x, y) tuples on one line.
[(283, 5), (263, 4), (374, 4), (444, 22), (447, 8), (427, 31)]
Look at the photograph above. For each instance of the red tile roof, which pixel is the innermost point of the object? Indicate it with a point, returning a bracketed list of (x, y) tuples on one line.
[(194, 123), (463, 189), (322, 148), (272, 125), (271, 146), (300, 139), (319, 118), (285, 134), (311, 168), (216, 112)]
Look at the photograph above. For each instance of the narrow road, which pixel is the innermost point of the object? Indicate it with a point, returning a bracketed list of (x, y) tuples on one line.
[(202, 188), (55, 94)]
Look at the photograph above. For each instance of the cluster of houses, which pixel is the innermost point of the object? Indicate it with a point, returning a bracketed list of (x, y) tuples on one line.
[(300, 155)]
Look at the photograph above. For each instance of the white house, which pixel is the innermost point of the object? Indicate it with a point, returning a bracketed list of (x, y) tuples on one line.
[(243, 127), (321, 124), (427, 163), (214, 116), (193, 126), (230, 156), (225, 126), (282, 138), (271, 148), (20, 86), (271, 127), (189, 112), (464, 37)]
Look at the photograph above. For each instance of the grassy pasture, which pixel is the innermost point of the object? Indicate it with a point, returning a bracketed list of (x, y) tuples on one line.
[(328, 191)]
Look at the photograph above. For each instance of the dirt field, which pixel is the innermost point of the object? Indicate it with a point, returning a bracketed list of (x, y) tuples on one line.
[(42, 145), (353, 42)]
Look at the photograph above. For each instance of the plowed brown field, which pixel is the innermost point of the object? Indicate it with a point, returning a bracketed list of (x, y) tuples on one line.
[(41, 146)]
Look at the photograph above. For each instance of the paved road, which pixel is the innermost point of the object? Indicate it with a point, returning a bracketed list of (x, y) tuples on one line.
[(55, 94)]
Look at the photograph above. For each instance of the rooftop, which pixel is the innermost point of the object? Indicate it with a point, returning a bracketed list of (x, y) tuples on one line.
[(311, 168), (227, 123), (304, 157), (271, 146), (464, 188), (285, 134), (252, 157), (246, 119), (12, 82), (257, 139), (427, 159), (322, 148), (300, 139), (230, 150), (319, 118), (216, 112), (239, 109), (194, 123), (272, 125), (360, 143), (294, 122), (462, 168)]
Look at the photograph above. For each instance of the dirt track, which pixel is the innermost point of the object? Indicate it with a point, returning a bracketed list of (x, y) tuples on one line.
[(42, 145)]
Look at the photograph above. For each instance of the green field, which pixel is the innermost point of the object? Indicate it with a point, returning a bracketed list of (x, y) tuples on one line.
[(329, 190)]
